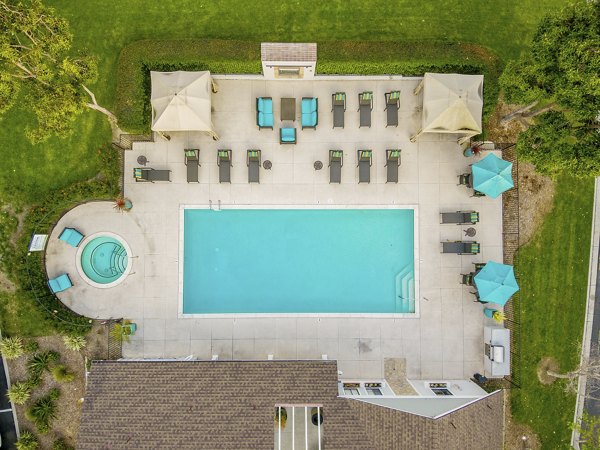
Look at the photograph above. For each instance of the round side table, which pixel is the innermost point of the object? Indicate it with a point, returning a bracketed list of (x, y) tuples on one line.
[(318, 165)]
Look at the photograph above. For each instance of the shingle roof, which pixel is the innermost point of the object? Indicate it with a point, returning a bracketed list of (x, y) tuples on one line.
[(230, 405), (278, 51)]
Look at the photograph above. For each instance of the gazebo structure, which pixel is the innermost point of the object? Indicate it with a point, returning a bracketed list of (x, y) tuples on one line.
[(181, 101), (452, 103)]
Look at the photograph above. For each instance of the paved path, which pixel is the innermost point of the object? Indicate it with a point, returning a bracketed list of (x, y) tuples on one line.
[(591, 333), (8, 431)]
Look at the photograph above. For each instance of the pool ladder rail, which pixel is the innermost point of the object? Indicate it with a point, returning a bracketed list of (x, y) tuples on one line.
[(216, 208)]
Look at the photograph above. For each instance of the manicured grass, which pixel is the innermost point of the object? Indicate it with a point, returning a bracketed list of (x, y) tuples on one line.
[(20, 316), (553, 277)]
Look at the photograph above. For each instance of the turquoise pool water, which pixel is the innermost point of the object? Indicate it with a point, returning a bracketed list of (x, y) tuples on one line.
[(104, 259), (298, 261)]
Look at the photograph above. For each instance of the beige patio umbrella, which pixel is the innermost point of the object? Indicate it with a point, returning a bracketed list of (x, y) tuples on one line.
[(181, 101), (452, 103)]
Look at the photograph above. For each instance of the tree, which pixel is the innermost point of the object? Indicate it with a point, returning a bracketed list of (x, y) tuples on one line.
[(589, 368), (589, 431), (560, 72), (35, 57)]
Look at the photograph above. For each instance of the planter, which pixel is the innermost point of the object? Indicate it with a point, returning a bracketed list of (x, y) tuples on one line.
[(488, 312), (316, 418)]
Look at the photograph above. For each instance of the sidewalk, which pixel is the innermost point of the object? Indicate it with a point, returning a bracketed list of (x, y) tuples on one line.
[(591, 331)]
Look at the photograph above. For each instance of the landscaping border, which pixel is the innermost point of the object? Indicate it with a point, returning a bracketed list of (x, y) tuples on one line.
[(339, 57)]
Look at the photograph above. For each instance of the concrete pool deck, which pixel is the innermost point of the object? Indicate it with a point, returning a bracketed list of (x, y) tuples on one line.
[(445, 341)]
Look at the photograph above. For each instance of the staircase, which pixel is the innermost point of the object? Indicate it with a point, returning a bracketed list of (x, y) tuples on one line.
[(405, 290)]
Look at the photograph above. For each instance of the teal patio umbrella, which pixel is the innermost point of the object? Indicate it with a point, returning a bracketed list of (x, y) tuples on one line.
[(496, 283), (492, 176)]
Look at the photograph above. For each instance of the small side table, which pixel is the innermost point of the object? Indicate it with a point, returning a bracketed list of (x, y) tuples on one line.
[(142, 160), (318, 165), (470, 232), (267, 164)]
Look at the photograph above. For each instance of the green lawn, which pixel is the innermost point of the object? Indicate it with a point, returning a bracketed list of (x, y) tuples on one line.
[(553, 277)]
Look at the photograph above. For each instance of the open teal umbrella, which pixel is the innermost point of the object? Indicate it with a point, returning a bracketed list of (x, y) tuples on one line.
[(496, 283), (492, 176)]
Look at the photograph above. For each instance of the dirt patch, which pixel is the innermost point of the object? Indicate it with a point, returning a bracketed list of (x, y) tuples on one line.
[(545, 365), (536, 192), (517, 436), (66, 424)]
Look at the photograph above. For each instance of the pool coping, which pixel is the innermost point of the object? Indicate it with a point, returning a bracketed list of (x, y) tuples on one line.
[(219, 207), (82, 273)]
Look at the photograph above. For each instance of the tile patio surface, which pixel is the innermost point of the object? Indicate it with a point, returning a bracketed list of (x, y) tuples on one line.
[(445, 341)]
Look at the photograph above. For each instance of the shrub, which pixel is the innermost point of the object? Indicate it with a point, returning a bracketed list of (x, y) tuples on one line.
[(12, 347), (61, 373), (40, 362), (19, 392), (43, 411), (31, 346), (73, 342), (60, 444), (27, 441)]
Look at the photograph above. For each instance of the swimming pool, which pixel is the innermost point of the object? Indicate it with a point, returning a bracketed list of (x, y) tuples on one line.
[(298, 261), (103, 259)]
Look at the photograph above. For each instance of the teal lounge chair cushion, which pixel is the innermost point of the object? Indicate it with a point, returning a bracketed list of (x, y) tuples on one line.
[(474, 217), (309, 105), (71, 236), (60, 283), (265, 105), (265, 119), (288, 135)]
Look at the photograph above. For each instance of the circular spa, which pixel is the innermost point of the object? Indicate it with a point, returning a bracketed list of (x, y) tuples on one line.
[(103, 260)]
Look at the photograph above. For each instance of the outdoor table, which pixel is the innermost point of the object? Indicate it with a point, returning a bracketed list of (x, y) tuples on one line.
[(470, 232), (318, 165), (288, 108), (267, 165), (142, 160)]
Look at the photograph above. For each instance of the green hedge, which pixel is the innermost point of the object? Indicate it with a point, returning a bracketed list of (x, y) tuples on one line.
[(346, 57)]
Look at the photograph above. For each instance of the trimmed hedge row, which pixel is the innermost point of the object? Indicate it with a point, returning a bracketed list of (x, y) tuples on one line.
[(345, 57)]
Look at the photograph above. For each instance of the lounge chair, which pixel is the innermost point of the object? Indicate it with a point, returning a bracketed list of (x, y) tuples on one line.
[(336, 161), (479, 266), (467, 278), (60, 283), (224, 163), (461, 247), (151, 175), (253, 163), (478, 298), (71, 236), (392, 105), (264, 112), (460, 217), (392, 162), (365, 106), (465, 179), (365, 159), (338, 101), (310, 115), (192, 162), (287, 135)]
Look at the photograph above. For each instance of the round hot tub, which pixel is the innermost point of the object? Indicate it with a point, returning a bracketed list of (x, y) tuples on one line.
[(103, 259)]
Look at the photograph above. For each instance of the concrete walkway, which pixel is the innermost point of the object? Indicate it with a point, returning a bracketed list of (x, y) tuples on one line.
[(591, 332)]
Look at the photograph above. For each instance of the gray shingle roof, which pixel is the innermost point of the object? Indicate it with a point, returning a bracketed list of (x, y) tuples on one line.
[(230, 405)]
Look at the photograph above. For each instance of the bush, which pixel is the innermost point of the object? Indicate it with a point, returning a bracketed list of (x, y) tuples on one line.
[(41, 362), (19, 392), (31, 346), (11, 347), (43, 411), (75, 343), (61, 374), (341, 57), (27, 441), (60, 444)]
